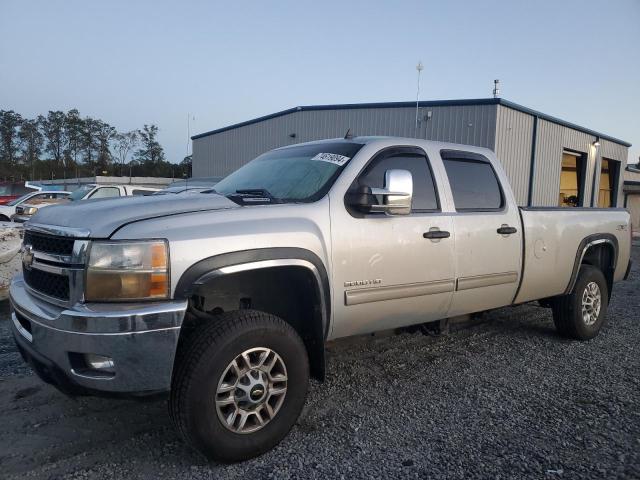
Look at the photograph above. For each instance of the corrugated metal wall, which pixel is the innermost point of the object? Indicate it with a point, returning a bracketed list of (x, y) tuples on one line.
[(548, 161), (552, 139), (221, 153), (514, 134)]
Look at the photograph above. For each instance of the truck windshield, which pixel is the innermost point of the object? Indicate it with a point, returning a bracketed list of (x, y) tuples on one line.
[(301, 173), (81, 192)]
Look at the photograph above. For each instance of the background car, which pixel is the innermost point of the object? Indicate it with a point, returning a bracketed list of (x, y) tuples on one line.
[(28, 209), (6, 211), (93, 191)]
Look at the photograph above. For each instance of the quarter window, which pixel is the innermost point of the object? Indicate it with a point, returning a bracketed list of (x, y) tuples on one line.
[(425, 197), (474, 184)]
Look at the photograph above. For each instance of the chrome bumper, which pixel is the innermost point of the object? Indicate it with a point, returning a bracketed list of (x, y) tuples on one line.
[(141, 339)]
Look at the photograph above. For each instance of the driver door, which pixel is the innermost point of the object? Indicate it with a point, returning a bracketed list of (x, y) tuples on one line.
[(387, 271)]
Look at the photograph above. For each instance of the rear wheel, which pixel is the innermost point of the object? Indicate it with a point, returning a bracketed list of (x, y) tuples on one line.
[(582, 313), (4, 218), (240, 386)]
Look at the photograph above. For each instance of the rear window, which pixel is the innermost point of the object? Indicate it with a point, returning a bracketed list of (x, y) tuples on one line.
[(474, 184)]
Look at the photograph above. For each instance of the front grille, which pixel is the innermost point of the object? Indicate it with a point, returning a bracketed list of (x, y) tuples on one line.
[(50, 284), (44, 243)]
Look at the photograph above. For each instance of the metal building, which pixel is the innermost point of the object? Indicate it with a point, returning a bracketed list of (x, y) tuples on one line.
[(549, 161)]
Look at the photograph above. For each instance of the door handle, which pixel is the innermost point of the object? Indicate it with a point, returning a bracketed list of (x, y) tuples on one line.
[(436, 234), (507, 230)]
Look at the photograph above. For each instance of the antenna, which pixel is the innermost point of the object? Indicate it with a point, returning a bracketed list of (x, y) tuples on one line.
[(496, 88), (348, 136), (419, 68)]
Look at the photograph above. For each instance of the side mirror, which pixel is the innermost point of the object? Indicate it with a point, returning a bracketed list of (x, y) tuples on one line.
[(396, 195)]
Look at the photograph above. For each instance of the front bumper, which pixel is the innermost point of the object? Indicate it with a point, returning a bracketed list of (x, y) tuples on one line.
[(141, 339), (20, 218)]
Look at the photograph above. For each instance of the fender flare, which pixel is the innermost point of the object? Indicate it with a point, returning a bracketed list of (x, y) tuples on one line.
[(245, 260), (585, 244)]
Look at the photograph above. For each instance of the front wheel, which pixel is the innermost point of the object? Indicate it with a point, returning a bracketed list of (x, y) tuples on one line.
[(582, 313), (240, 386)]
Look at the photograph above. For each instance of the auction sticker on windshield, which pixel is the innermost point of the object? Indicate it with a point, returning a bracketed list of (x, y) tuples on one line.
[(332, 158)]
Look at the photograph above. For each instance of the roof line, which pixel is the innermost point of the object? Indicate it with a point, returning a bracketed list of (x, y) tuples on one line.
[(424, 103)]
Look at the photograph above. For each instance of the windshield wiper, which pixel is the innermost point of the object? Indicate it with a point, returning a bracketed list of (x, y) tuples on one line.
[(254, 195)]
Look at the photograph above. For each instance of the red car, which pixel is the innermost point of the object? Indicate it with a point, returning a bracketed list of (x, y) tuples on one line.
[(12, 190)]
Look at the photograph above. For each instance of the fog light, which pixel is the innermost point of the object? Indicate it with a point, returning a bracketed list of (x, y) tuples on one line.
[(99, 362)]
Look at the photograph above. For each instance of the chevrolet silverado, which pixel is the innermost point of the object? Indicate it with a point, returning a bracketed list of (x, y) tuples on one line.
[(225, 299)]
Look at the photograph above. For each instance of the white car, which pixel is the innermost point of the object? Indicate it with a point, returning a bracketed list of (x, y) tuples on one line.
[(6, 211), (93, 191)]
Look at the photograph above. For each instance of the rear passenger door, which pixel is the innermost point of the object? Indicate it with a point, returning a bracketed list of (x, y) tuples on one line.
[(488, 240)]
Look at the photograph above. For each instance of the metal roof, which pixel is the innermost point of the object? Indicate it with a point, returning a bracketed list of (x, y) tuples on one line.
[(427, 103)]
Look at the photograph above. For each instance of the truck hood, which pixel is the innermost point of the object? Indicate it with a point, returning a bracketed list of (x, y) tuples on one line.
[(103, 217)]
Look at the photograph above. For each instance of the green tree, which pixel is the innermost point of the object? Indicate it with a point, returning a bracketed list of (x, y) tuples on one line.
[(73, 130), (89, 142), (53, 128), (31, 141), (124, 143), (10, 122), (104, 133), (150, 151)]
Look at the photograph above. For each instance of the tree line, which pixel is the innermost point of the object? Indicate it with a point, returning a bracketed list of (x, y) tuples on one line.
[(67, 145)]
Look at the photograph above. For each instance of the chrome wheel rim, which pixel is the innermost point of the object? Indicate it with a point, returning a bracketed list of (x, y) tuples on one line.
[(251, 390), (591, 303)]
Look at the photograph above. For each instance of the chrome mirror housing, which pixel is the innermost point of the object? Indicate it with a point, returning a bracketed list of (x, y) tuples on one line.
[(397, 193)]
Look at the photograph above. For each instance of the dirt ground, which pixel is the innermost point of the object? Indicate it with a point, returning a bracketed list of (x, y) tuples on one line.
[(507, 398)]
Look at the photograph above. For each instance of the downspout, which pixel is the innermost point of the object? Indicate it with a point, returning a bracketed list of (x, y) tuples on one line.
[(595, 172), (532, 163)]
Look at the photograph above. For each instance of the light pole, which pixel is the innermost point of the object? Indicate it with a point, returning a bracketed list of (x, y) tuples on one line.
[(419, 68)]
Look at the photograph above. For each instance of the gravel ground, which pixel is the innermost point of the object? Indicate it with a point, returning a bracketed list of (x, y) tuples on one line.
[(504, 399)]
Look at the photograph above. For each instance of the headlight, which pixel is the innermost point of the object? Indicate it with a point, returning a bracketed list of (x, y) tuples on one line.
[(26, 210), (128, 271)]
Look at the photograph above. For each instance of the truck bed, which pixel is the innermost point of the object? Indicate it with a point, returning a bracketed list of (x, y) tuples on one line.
[(555, 239)]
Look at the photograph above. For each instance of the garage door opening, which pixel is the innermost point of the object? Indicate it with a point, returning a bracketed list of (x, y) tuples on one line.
[(572, 179), (608, 191)]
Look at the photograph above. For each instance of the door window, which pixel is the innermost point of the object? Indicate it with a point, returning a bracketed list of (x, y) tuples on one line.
[(474, 184), (425, 197), (106, 192)]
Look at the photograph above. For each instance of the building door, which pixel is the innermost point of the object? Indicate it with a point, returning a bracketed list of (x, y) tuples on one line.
[(572, 177), (608, 190)]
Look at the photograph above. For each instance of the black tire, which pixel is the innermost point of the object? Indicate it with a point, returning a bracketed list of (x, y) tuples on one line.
[(567, 310), (210, 350), (4, 218)]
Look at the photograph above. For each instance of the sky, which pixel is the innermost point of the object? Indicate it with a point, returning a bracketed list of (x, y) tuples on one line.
[(218, 63)]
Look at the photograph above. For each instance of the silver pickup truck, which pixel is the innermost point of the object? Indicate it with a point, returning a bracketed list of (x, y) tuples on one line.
[(225, 299)]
